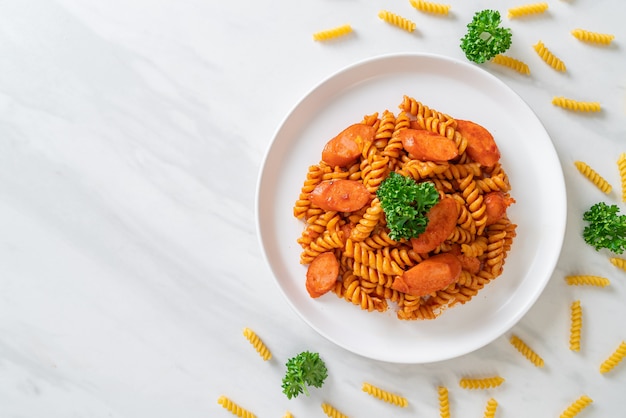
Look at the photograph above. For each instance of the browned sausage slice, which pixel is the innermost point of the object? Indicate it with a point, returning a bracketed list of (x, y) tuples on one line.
[(433, 274), (343, 149), (481, 147), (441, 222), (427, 146), (340, 195), (322, 274)]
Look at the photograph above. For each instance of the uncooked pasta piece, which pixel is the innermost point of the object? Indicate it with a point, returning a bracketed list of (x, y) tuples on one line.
[(430, 7), (576, 326), (593, 37), (397, 20), (234, 408), (512, 63), (587, 280), (576, 407), (593, 176), (527, 9), (548, 57), (481, 383), (331, 411), (288, 415), (490, 409), (336, 32), (614, 359), (257, 343), (621, 165), (384, 395), (444, 402), (526, 351), (618, 262), (576, 105)]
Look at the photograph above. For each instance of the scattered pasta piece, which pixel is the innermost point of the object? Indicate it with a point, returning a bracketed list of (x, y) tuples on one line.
[(527, 9), (234, 408), (587, 280), (396, 20), (548, 57), (481, 383), (328, 34), (576, 105), (430, 7), (385, 395), (593, 176), (621, 165), (288, 415), (331, 411), (512, 63), (490, 409), (576, 406), (256, 342), (444, 402), (614, 359), (526, 351), (576, 315), (618, 262), (593, 37)]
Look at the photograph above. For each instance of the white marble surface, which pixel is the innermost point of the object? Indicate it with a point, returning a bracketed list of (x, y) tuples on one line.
[(131, 137)]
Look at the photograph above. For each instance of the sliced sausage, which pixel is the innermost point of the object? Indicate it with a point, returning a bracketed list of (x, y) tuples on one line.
[(340, 195), (496, 204), (427, 146), (481, 147), (433, 274), (442, 219), (322, 274), (343, 149)]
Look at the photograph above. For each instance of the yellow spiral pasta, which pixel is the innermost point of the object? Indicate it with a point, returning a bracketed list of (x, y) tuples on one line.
[(397, 20), (621, 165), (490, 409), (548, 57), (593, 176), (234, 408), (444, 402), (618, 262), (527, 9), (430, 7), (526, 351), (336, 32), (384, 395), (576, 407), (258, 345), (587, 280), (576, 316), (481, 383), (576, 105), (593, 37), (512, 63), (288, 415), (331, 411), (614, 359)]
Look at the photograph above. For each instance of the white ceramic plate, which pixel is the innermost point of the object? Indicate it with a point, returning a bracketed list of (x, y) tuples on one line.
[(461, 90)]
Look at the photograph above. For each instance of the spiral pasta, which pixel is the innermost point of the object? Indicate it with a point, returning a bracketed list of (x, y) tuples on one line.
[(576, 407), (331, 411), (548, 57), (444, 402), (526, 351), (527, 9), (288, 415), (336, 32), (384, 395), (430, 7), (481, 383), (233, 408), (593, 37), (614, 359), (257, 343), (576, 325), (512, 63), (618, 262), (490, 408), (587, 280), (576, 105), (621, 165), (397, 20), (593, 176)]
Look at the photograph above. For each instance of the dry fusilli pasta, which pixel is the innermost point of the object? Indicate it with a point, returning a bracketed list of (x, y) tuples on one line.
[(481, 383), (548, 57), (331, 411), (593, 176), (614, 359), (576, 105), (234, 408), (526, 351), (618, 262), (575, 407), (527, 9), (512, 63), (430, 7), (593, 37), (444, 402), (288, 415), (587, 280), (397, 20), (384, 395), (490, 408), (257, 343), (336, 32), (575, 326), (621, 165)]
